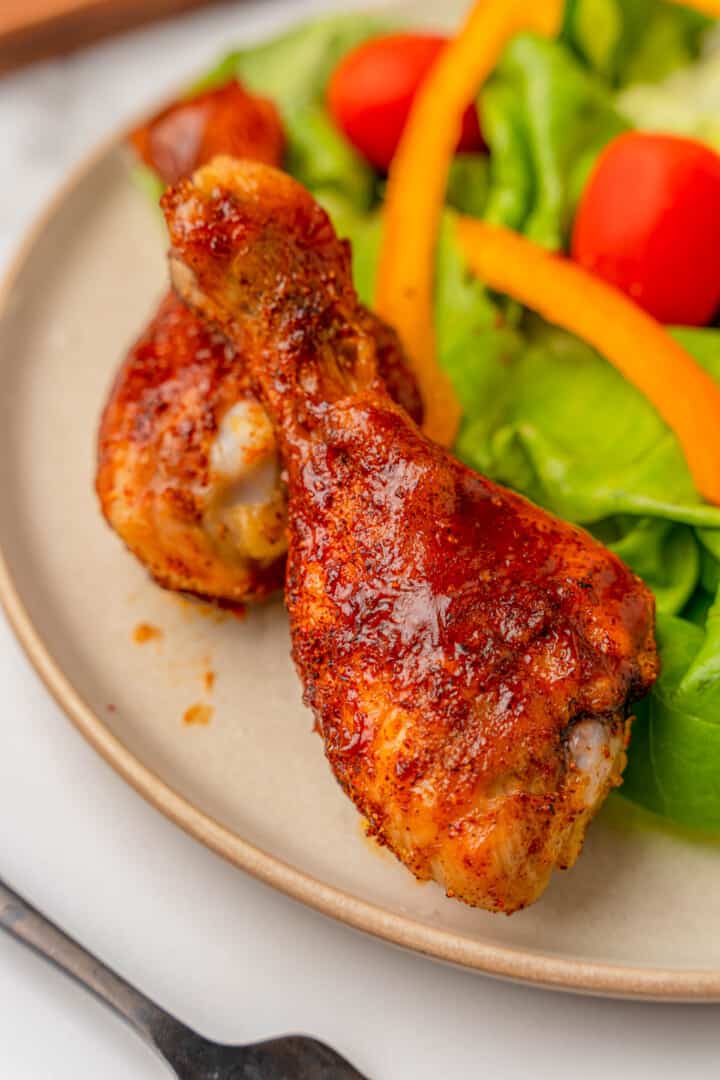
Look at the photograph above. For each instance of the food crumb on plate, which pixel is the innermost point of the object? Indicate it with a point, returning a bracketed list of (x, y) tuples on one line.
[(198, 714), (145, 632)]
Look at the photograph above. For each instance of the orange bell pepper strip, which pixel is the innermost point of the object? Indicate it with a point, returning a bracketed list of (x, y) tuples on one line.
[(707, 7), (417, 183), (565, 294)]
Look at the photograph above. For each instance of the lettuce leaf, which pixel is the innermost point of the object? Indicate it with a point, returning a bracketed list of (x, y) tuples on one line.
[(665, 555), (567, 430), (628, 41), (545, 119), (323, 160), (686, 103), (674, 764)]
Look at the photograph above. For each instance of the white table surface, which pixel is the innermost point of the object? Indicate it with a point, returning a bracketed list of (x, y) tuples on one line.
[(226, 954)]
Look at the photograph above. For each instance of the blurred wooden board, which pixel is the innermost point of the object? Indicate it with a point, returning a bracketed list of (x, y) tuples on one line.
[(32, 29)]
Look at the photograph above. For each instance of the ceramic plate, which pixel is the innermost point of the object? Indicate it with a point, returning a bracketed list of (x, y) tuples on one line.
[(636, 917)]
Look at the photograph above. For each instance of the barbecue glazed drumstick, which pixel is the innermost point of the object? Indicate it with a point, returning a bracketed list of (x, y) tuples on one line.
[(468, 657), (188, 473)]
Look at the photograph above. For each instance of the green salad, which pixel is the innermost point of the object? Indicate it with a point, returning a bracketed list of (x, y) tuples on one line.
[(542, 412)]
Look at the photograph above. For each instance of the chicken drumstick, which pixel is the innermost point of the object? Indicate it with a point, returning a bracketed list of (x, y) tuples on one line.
[(469, 658), (187, 473)]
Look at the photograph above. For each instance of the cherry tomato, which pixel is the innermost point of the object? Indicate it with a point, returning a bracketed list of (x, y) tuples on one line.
[(649, 223), (372, 89)]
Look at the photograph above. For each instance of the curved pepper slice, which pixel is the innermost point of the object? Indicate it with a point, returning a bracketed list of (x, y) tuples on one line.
[(565, 294), (417, 183), (707, 7)]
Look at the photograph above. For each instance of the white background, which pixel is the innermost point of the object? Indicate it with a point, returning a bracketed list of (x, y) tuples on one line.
[(223, 952)]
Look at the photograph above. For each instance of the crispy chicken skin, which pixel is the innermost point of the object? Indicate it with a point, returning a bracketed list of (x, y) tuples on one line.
[(469, 658), (226, 120)]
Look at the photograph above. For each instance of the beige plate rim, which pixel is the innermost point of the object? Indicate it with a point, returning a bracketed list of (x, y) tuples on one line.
[(579, 976)]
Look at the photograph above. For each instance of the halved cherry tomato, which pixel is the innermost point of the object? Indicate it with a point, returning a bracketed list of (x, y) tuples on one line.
[(649, 223), (372, 89)]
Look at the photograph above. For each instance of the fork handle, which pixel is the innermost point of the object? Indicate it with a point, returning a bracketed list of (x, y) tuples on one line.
[(148, 1020)]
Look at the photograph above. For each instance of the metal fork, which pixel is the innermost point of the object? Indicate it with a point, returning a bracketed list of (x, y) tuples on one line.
[(192, 1057)]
